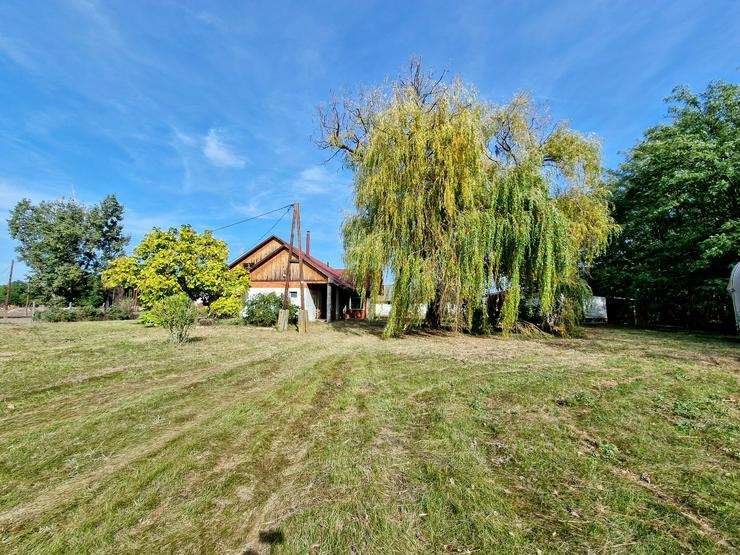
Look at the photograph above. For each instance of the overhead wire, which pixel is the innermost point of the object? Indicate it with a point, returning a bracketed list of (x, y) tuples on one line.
[(255, 217), (273, 226)]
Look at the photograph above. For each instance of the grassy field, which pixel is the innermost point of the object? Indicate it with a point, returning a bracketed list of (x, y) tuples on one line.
[(250, 441)]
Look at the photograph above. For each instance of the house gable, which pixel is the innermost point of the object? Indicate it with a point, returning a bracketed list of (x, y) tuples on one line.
[(267, 262), (272, 268), (259, 253)]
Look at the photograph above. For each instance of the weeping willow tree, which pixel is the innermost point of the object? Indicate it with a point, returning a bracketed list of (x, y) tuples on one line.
[(455, 197)]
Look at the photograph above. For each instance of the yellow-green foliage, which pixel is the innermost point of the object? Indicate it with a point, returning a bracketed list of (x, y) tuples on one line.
[(231, 302), (181, 260), (455, 195)]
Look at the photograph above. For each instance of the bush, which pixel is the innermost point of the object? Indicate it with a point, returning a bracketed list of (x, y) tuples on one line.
[(176, 313), (148, 319), (56, 314), (122, 310), (263, 310), (88, 313)]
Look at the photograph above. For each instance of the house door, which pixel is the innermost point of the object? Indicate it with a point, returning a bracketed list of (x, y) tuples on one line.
[(318, 297)]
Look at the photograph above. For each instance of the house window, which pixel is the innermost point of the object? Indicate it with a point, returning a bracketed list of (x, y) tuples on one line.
[(356, 302), (294, 294)]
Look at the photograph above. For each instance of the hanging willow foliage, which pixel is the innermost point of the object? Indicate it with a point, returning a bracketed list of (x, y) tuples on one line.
[(456, 196)]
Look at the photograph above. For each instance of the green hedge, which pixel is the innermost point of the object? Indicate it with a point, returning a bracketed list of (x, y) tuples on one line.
[(263, 309), (120, 311)]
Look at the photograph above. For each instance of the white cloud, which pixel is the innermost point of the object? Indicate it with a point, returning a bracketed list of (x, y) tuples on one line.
[(219, 153), (254, 207), (138, 224), (13, 51), (181, 137), (11, 193), (316, 180)]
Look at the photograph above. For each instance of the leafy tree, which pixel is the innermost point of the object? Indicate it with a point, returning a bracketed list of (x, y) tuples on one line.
[(66, 244), (455, 196), (18, 291), (181, 260), (677, 196)]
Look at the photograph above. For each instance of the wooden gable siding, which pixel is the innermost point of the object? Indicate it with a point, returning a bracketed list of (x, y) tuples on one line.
[(263, 252), (273, 268)]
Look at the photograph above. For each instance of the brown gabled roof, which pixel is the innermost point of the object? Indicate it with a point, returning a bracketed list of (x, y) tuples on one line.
[(332, 274)]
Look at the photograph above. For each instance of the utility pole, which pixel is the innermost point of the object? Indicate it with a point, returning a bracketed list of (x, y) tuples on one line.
[(302, 316), (284, 315), (10, 284), (287, 269)]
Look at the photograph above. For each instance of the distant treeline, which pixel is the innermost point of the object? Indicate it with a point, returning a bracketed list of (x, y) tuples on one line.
[(677, 198), (18, 293)]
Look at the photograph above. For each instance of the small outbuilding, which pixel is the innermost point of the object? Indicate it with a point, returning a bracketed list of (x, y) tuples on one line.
[(328, 295)]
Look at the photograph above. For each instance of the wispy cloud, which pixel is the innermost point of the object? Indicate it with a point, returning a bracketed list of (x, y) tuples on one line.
[(13, 50), (255, 206), (318, 180), (103, 23), (182, 138), (219, 153), (138, 224), (11, 193)]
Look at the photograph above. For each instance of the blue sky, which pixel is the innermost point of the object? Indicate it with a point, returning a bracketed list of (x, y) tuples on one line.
[(203, 112)]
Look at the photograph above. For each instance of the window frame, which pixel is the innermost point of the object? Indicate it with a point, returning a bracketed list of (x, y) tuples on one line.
[(360, 300)]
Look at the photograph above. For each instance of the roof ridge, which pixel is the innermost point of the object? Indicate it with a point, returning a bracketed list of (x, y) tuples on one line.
[(335, 273)]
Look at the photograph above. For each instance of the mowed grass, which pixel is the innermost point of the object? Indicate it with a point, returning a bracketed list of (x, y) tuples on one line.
[(250, 441)]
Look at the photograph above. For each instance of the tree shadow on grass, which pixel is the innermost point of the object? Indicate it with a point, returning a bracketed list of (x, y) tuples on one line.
[(375, 327), (272, 536), (195, 339), (358, 327)]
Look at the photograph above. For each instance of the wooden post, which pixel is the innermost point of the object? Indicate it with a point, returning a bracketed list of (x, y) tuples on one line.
[(337, 308), (290, 259), (284, 314), (10, 284), (302, 311), (328, 303), (302, 315)]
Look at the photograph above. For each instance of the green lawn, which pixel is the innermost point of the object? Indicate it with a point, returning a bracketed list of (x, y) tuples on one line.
[(250, 441)]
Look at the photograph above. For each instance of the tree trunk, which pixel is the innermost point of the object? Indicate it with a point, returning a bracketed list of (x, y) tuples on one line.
[(434, 311)]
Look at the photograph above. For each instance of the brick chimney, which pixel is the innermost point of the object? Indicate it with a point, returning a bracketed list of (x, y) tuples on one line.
[(308, 242)]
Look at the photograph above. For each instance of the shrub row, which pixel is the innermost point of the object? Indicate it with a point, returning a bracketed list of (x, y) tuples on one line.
[(119, 311)]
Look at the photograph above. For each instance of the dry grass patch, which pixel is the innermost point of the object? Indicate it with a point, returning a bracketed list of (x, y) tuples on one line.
[(250, 441)]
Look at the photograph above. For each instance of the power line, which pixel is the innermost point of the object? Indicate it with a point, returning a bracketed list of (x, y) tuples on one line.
[(5, 269), (255, 217), (273, 226)]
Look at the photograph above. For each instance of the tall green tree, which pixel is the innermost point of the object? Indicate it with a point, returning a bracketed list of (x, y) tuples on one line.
[(677, 196), (18, 292), (455, 195), (66, 244), (181, 261)]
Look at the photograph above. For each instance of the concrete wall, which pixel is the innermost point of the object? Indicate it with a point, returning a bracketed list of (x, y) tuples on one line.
[(595, 309), (383, 310)]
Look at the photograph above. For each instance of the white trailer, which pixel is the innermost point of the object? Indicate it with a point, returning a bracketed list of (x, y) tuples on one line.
[(734, 290)]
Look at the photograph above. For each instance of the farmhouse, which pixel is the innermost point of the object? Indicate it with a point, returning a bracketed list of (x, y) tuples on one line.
[(328, 295)]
